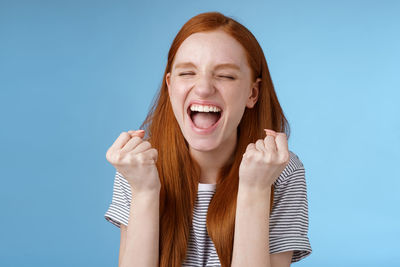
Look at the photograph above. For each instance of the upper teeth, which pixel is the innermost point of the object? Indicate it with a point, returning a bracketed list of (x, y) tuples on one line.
[(201, 108)]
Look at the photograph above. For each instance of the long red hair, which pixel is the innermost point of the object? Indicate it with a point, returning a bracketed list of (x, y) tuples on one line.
[(179, 173)]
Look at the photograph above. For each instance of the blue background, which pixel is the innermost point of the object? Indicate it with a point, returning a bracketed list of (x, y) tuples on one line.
[(74, 74)]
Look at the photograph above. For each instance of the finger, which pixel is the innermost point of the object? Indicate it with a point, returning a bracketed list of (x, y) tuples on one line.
[(260, 146), (269, 143), (134, 131), (121, 140), (270, 132), (250, 146), (151, 154), (139, 133), (132, 144), (281, 142), (142, 147)]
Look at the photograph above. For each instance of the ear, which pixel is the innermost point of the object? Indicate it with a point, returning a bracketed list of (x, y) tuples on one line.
[(167, 80), (253, 97)]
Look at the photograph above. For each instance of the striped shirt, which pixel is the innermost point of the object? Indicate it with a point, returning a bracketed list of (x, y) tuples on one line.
[(288, 222)]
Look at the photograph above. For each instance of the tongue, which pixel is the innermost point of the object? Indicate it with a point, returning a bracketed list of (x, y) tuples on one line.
[(204, 120)]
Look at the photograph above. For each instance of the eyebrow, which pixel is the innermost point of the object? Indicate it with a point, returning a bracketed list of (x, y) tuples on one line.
[(219, 66)]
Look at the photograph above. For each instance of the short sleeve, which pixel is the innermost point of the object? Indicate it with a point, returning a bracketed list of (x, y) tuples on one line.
[(289, 214), (118, 211)]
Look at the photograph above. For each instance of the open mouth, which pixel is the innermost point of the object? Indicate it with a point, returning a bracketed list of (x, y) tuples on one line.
[(205, 119)]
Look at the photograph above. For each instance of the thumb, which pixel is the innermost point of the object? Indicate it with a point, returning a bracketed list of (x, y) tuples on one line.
[(139, 133)]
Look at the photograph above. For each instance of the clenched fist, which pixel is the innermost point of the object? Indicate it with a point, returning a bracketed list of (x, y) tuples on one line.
[(264, 161), (136, 160)]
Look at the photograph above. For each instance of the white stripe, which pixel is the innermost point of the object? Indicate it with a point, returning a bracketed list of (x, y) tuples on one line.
[(207, 187)]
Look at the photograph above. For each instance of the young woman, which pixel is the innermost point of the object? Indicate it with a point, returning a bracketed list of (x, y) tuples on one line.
[(210, 180)]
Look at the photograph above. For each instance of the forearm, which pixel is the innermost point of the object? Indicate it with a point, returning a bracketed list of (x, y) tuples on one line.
[(251, 239), (142, 243)]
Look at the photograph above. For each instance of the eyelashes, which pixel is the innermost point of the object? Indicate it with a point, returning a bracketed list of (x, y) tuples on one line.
[(222, 76)]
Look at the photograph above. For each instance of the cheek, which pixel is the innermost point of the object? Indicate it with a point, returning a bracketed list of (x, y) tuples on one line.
[(178, 90), (177, 99), (236, 97), (236, 101)]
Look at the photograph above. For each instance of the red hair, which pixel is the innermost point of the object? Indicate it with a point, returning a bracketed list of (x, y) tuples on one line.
[(179, 173)]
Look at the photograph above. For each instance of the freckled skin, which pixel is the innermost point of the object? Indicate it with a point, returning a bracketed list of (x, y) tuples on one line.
[(204, 82)]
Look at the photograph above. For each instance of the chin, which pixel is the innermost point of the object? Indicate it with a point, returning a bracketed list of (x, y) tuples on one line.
[(202, 145)]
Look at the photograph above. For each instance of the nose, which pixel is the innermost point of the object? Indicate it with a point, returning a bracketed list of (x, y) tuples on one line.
[(204, 86)]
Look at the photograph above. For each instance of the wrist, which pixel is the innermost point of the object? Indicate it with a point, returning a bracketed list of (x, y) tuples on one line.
[(145, 193), (254, 187), (253, 194)]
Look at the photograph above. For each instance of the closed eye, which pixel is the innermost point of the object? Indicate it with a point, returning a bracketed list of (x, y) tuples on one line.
[(229, 77), (222, 76)]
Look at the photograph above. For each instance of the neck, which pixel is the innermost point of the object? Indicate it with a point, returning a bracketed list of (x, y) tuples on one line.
[(212, 161)]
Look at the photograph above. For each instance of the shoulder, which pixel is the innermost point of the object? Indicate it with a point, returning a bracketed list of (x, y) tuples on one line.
[(295, 165)]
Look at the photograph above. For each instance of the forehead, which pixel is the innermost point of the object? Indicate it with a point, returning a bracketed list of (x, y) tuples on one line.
[(211, 48)]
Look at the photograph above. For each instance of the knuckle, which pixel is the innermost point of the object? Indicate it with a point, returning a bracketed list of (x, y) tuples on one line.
[(286, 157), (137, 137), (147, 143), (132, 159), (249, 154), (117, 157), (155, 152), (108, 154), (140, 158), (268, 158), (260, 142), (257, 156)]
